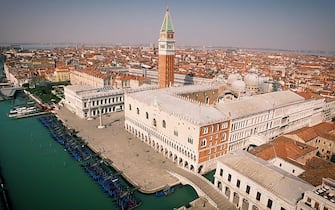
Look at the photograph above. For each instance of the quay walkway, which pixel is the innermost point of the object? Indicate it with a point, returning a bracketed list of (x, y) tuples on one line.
[(140, 164)]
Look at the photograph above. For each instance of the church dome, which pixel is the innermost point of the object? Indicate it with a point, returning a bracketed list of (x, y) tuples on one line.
[(253, 70), (251, 79), (238, 85), (233, 77)]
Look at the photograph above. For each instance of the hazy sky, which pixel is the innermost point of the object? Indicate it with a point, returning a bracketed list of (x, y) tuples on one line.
[(284, 24)]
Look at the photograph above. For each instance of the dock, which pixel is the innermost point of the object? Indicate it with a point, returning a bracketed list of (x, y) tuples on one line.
[(110, 180), (31, 115)]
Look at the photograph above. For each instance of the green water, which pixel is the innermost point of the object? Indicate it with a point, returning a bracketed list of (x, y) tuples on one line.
[(210, 176), (40, 175)]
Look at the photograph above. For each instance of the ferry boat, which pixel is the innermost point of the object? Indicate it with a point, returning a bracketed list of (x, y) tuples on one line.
[(20, 111)]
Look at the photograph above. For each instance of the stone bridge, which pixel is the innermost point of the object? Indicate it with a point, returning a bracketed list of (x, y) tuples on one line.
[(204, 188)]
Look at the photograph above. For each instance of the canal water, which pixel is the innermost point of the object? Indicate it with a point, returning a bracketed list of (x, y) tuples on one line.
[(40, 175)]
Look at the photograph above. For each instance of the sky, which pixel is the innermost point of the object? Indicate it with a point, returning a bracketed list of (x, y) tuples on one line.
[(275, 24)]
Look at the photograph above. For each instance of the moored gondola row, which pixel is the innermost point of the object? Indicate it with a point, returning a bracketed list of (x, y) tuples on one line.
[(106, 177)]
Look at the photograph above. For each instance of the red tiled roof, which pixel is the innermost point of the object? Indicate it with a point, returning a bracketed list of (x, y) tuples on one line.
[(309, 95), (326, 130), (306, 134), (284, 148), (315, 169)]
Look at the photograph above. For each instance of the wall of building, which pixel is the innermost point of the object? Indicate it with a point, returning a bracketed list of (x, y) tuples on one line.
[(178, 139), (272, 123), (326, 147), (286, 166), (237, 193), (213, 143), (205, 97), (82, 78), (93, 105), (329, 110)]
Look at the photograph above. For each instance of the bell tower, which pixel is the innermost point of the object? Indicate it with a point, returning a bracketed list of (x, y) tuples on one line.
[(166, 53)]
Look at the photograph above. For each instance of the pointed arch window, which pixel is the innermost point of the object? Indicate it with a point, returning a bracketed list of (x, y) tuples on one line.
[(154, 123), (146, 115), (164, 124), (137, 110)]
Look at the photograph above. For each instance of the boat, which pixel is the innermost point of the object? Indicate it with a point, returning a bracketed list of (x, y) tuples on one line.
[(108, 179), (165, 192), (20, 111)]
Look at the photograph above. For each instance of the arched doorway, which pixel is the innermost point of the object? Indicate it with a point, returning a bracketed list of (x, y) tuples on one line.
[(192, 168), (236, 198), (200, 169), (186, 164), (254, 207), (219, 185), (245, 204), (175, 159), (170, 155), (227, 192), (166, 152), (180, 161)]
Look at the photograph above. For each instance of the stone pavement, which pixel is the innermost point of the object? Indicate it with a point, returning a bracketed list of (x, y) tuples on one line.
[(140, 164)]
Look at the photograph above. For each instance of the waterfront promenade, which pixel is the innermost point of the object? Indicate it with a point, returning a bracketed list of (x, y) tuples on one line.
[(144, 167)]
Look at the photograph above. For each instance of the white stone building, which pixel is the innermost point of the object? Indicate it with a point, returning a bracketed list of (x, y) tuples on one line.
[(253, 183), (321, 197), (194, 133), (190, 134), (87, 102), (90, 77), (329, 110), (260, 118)]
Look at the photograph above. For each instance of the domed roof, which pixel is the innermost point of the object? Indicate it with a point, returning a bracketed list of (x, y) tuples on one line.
[(253, 70), (251, 79), (233, 77), (238, 85)]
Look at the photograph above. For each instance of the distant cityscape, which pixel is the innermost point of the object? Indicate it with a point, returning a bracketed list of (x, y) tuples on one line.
[(70, 44)]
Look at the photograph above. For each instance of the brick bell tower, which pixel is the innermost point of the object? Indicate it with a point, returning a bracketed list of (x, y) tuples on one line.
[(166, 53)]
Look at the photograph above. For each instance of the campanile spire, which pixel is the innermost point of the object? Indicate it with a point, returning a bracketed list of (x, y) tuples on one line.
[(166, 52)]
